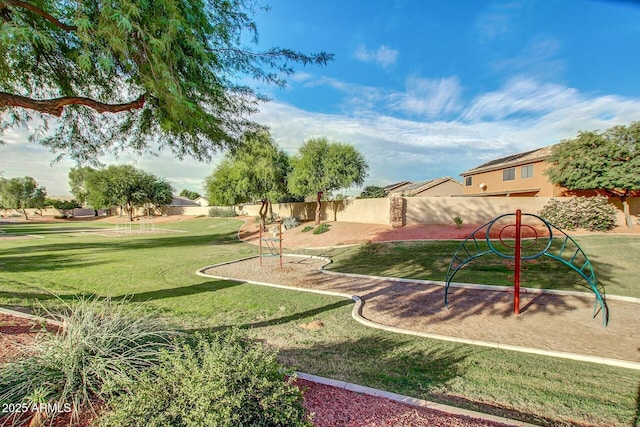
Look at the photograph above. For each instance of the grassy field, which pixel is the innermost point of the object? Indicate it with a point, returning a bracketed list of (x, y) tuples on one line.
[(158, 269)]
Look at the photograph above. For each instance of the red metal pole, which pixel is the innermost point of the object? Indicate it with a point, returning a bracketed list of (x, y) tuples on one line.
[(260, 243), (280, 236), (518, 260)]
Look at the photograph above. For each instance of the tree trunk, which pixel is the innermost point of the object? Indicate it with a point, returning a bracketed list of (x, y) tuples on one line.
[(263, 214), (318, 207), (627, 212), (95, 212), (24, 212)]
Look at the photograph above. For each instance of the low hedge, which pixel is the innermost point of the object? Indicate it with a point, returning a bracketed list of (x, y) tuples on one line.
[(592, 213)]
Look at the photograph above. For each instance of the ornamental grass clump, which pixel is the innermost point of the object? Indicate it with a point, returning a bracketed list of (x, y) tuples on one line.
[(102, 348), (322, 228), (220, 379)]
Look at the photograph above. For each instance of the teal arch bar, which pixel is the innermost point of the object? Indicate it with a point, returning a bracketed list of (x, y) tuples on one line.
[(570, 255)]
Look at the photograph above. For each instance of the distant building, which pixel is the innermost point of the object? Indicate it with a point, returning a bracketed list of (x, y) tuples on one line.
[(520, 174), (439, 187), (183, 201)]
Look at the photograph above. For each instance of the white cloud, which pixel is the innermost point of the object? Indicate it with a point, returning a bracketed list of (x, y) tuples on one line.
[(422, 98), (19, 157), (498, 21), (521, 96), (442, 135), (383, 56), (428, 97), (522, 115), (540, 57)]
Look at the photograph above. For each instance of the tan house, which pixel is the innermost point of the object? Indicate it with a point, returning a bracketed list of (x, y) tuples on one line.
[(185, 201), (439, 187), (520, 174)]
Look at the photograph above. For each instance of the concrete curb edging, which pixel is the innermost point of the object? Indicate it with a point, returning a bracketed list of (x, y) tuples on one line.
[(356, 313), (410, 400), (28, 316)]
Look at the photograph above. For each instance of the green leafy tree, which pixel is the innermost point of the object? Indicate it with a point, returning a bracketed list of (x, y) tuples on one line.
[(78, 184), (257, 170), (321, 167), (168, 71), (373, 192), (157, 191), (21, 194), (62, 205), (606, 161), (191, 195), (126, 187)]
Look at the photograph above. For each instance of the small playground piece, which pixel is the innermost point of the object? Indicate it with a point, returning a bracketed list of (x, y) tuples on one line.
[(272, 244), (522, 241), (145, 224)]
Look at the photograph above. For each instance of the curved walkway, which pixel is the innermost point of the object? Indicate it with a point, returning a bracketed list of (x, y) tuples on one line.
[(553, 324)]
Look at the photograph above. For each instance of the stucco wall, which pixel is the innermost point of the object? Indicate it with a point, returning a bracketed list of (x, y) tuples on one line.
[(371, 211), (472, 210), (416, 210), (426, 210)]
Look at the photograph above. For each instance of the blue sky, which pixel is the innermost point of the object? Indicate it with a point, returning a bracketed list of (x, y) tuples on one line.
[(426, 88)]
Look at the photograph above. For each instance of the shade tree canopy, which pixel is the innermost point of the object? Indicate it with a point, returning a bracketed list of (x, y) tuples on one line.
[(126, 187), (373, 192), (606, 161), (191, 195), (21, 194), (321, 167), (105, 76), (78, 183), (255, 171)]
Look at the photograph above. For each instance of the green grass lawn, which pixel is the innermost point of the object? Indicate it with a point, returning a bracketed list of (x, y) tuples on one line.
[(159, 271)]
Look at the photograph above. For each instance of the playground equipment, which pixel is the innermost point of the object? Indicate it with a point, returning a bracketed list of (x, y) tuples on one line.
[(273, 244), (124, 225), (147, 223), (522, 242)]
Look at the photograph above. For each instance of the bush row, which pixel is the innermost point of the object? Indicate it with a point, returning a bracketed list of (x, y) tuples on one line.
[(592, 213)]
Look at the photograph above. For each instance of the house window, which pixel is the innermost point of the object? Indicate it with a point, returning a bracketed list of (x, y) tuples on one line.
[(468, 181), (509, 174), (527, 171)]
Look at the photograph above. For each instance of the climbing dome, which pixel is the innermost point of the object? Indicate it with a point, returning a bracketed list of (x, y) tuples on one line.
[(520, 237)]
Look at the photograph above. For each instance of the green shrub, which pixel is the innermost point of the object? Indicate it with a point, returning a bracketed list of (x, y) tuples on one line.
[(592, 213), (291, 222), (222, 212), (103, 347), (216, 380), (322, 228), (307, 229), (457, 221)]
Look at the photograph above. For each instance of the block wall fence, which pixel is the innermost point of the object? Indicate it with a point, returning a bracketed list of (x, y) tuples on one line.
[(400, 211), (394, 211)]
